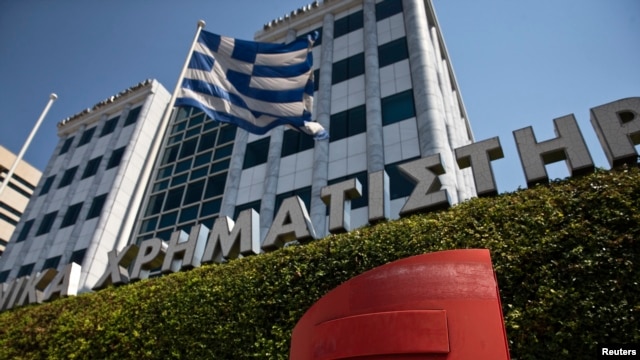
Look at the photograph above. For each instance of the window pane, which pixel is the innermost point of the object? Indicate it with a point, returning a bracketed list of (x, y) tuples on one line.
[(96, 206), (174, 198), (68, 176), (207, 141), (71, 215), (109, 126), (168, 219), (132, 117), (86, 136), (116, 157), (183, 166), (188, 148), (47, 223), (227, 133), (170, 155), (51, 263), (392, 52), (194, 192), (25, 270), (92, 167), (202, 159), (357, 120), (47, 185), (257, 153), (211, 207), (65, 147), (387, 8), (338, 128), (77, 256), (155, 204), (25, 230), (223, 152), (189, 214), (397, 107), (149, 225), (196, 120), (215, 185)]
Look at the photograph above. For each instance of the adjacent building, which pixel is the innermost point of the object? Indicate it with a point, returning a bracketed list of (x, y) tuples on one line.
[(16, 195), (86, 202)]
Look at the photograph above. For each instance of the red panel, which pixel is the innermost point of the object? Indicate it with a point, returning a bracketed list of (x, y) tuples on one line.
[(395, 332), (347, 321)]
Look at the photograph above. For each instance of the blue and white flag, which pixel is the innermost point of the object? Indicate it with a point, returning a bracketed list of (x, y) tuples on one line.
[(256, 86)]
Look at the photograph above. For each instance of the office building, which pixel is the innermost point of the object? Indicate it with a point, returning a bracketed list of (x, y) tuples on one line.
[(86, 202), (16, 194), (385, 91)]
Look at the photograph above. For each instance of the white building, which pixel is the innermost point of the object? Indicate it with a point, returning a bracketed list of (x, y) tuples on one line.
[(90, 191), (384, 90)]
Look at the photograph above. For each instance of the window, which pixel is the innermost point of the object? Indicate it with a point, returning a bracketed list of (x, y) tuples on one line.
[(155, 204), (188, 148), (392, 52), (67, 177), (399, 185), (348, 123), (24, 232), (25, 270), (194, 192), (215, 185), (304, 194), (227, 133), (257, 153), (397, 107), (295, 142), (255, 205), (132, 117), (4, 275), (109, 126), (96, 206), (316, 79), (47, 223), (174, 198), (65, 147), (189, 213), (51, 263), (211, 207), (72, 214), (387, 8), (47, 185), (77, 256), (207, 140), (115, 158), (347, 68), (86, 136), (347, 24), (92, 167)]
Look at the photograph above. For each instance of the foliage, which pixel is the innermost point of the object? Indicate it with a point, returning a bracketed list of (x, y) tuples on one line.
[(565, 255)]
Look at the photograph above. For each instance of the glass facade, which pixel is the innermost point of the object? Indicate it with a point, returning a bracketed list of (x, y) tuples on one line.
[(191, 174)]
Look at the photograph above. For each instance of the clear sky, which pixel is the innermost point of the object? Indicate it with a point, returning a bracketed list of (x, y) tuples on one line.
[(518, 63)]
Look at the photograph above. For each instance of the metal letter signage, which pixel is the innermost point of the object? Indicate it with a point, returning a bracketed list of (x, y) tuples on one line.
[(442, 305)]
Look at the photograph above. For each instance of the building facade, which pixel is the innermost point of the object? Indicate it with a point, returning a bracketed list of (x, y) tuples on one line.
[(386, 93), (85, 204), (16, 195)]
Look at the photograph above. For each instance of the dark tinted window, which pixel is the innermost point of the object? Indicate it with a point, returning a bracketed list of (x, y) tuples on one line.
[(256, 153), (397, 107)]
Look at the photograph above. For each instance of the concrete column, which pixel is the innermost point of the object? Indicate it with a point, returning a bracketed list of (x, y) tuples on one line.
[(375, 139), (230, 196), (320, 170), (430, 115)]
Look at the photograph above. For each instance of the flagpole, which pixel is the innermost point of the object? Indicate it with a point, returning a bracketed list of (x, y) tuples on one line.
[(52, 98), (174, 95)]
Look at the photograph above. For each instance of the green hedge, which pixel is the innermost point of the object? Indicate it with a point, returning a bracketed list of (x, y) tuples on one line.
[(565, 255)]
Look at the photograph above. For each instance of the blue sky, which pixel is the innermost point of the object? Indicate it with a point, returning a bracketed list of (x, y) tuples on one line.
[(518, 63)]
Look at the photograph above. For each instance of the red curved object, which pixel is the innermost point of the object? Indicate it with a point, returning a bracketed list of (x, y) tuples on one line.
[(442, 305)]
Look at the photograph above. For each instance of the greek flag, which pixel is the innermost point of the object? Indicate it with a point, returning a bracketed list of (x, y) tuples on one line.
[(256, 86)]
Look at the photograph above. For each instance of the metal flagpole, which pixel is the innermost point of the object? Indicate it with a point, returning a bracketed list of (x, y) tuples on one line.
[(167, 113), (52, 98)]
